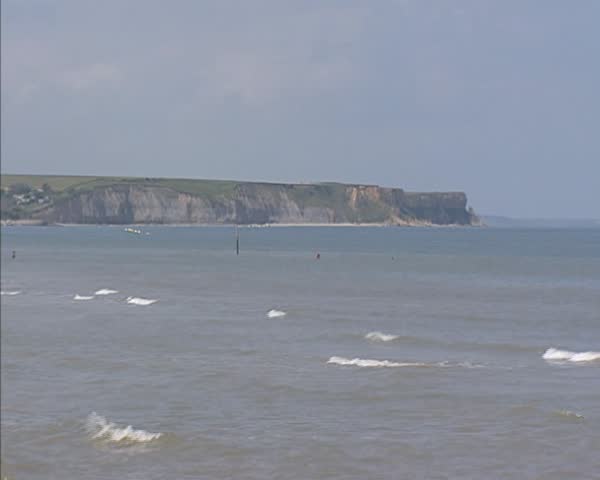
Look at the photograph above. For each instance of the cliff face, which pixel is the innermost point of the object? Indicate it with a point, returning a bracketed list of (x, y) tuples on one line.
[(256, 203)]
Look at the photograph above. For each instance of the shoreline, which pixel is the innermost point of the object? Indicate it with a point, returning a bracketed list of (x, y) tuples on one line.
[(416, 224)]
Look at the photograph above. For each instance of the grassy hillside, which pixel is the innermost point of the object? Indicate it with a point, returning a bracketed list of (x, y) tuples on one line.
[(56, 183), (60, 184), (304, 194)]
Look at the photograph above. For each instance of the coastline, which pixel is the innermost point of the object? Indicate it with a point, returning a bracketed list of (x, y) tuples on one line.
[(187, 202), (39, 223)]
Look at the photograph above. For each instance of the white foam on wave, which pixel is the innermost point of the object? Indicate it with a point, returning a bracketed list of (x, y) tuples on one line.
[(570, 414), (101, 429), (567, 356), (361, 362), (140, 301), (276, 313), (83, 297), (106, 291), (10, 293), (380, 337)]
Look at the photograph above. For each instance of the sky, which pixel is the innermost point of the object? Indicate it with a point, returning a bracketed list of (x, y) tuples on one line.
[(499, 99)]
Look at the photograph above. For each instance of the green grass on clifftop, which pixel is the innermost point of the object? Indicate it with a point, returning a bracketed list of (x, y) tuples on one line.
[(62, 184)]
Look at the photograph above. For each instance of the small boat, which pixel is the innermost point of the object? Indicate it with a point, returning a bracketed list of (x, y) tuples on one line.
[(133, 230)]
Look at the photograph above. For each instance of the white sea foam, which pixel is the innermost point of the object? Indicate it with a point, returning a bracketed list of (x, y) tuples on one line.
[(141, 301), (555, 354), (106, 291), (10, 293), (276, 313), (99, 428), (360, 362), (566, 355), (82, 297), (570, 414), (380, 337)]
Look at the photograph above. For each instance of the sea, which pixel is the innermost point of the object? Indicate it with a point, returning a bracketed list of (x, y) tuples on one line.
[(400, 353)]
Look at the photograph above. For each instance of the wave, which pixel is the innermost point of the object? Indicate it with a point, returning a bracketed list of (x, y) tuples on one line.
[(360, 362), (276, 313), (140, 301), (82, 297), (106, 291), (10, 293), (566, 355), (570, 414), (101, 429), (453, 344), (380, 337), (463, 364)]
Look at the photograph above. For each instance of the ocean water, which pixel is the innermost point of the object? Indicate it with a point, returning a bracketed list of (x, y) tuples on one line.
[(403, 353)]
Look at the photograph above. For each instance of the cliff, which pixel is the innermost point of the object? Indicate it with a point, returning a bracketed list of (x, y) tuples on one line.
[(102, 200)]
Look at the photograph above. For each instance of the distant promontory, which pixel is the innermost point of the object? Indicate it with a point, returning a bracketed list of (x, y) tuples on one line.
[(47, 199)]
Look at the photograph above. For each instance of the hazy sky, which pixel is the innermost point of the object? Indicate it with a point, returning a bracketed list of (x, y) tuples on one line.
[(499, 98)]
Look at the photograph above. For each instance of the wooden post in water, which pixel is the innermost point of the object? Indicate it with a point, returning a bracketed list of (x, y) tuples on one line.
[(237, 240)]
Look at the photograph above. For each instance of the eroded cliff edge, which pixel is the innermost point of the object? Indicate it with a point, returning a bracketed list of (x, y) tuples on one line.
[(150, 201)]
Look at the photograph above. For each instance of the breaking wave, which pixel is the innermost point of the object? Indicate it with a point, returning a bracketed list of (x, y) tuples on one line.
[(276, 313), (567, 356), (10, 293), (380, 337), (106, 291), (360, 362), (101, 429), (140, 301), (570, 414), (82, 297)]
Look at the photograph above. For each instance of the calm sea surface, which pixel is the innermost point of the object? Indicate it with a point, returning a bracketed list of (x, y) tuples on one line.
[(205, 384)]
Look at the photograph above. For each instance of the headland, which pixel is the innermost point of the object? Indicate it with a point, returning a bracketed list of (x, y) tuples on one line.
[(49, 199)]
